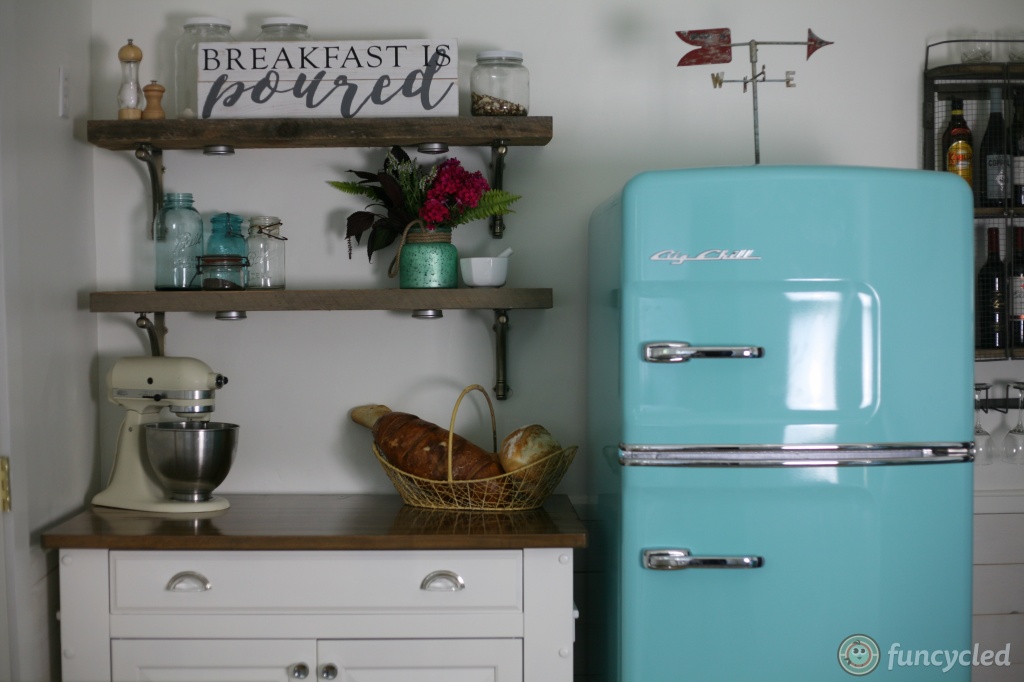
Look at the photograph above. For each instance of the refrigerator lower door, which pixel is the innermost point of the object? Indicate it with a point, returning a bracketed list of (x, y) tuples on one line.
[(802, 573)]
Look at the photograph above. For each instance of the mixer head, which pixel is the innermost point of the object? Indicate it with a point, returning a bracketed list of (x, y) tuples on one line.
[(183, 385)]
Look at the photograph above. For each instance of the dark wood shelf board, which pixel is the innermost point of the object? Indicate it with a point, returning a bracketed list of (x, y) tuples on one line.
[(322, 522), (254, 133), (313, 299)]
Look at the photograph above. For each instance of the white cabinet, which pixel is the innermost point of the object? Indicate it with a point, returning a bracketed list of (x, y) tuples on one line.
[(359, 616), (445, 660)]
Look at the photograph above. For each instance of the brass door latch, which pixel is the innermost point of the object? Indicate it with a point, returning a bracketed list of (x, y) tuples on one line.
[(5, 484)]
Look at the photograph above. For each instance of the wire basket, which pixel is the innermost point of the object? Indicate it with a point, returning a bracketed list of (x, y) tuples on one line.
[(524, 488)]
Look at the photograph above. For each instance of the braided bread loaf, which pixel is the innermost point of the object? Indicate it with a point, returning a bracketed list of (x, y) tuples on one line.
[(420, 448)]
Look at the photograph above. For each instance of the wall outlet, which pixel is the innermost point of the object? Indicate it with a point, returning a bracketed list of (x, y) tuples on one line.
[(64, 78)]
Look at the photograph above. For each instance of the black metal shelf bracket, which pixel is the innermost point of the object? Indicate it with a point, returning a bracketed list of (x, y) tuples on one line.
[(501, 388), (498, 152)]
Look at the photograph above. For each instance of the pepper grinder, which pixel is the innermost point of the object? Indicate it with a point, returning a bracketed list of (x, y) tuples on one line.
[(129, 96), (153, 93)]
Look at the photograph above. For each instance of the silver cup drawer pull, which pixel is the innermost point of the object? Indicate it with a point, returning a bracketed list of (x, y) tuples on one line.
[(188, 581), (680, 351), (678, 559), (443, 581)]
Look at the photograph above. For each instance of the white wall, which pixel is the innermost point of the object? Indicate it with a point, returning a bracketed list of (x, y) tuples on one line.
[(606, 72), (47, 342)]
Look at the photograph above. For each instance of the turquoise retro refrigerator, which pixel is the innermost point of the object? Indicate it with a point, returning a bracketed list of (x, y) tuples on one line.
[(780, 420)]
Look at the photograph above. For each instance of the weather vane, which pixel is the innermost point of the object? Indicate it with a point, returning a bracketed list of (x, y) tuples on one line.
[(714, 46)]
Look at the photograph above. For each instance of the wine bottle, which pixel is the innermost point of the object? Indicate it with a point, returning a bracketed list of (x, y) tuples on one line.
[(958, 143), (1017, 148), (990, 294), (1016, 282), (995, 160)]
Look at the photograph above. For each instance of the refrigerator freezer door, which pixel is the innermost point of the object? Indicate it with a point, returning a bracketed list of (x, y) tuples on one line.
[(795, 305), (808, 558)]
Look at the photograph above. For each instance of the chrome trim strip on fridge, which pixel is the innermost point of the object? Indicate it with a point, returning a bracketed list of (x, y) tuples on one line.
[(789, 455)]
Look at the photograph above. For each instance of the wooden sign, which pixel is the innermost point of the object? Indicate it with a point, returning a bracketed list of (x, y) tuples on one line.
[(324, 79)]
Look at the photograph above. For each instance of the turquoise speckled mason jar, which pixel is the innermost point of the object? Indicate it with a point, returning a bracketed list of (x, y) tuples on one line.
[(428, 260)]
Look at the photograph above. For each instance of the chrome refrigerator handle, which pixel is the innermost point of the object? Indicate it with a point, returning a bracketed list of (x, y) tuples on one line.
[(680, 351), (678, 559)]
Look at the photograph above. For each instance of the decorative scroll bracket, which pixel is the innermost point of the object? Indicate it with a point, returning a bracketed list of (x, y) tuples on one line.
[(154, 160), (157, 331)]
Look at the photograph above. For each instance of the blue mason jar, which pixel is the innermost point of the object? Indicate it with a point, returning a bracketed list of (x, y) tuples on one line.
[(226, 238), (178, 233)]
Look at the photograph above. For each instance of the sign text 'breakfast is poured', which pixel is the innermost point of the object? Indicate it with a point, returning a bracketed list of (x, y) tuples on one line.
[(323, 79)]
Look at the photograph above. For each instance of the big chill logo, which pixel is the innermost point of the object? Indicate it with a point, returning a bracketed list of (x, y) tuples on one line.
[(678, 257)]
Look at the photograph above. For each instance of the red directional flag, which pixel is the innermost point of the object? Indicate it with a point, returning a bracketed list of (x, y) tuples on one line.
[(713, 46), (814, 43)]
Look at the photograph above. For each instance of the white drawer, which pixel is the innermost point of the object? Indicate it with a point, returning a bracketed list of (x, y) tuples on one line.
[(386, 582)]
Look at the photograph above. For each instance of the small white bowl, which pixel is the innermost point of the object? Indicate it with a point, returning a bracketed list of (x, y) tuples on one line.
[(484, 272)]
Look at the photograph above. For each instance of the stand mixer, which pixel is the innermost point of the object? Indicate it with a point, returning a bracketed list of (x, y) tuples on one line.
[(144, 386)]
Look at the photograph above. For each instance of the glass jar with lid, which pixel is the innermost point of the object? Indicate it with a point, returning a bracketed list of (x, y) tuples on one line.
[(500, 84), (186, 60), (266, 253), (284, 28), (178, 235)]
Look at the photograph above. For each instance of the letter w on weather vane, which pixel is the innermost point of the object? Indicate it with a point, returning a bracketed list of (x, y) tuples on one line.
[(714, 46)]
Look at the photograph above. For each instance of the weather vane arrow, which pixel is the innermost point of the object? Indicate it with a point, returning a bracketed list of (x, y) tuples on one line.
[(714, 46)]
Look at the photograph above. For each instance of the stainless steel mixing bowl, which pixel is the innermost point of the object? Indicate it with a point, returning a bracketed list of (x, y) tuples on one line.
[(191, 458)]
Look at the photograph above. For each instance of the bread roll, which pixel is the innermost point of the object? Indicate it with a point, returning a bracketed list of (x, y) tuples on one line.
[(420, 448), (526, 445)]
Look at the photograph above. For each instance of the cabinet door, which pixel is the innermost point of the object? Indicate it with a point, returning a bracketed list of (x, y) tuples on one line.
[(209, 660), (419, 660)]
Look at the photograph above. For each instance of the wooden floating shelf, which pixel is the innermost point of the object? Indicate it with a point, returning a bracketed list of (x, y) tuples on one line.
[(318, 299), (281, 133)]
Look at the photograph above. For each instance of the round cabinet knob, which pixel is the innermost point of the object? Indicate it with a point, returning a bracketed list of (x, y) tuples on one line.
[(328, 671), (299, 671)]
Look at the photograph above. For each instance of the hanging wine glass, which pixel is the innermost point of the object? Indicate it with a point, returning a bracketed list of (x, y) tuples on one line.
[(1013, 443), (983, 446)]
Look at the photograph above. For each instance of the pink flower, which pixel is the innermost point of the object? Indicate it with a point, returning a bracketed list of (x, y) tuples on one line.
[(453, 191)]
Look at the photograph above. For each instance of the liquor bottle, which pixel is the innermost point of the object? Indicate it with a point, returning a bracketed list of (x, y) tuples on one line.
[(958, 144), (995, 160), (1017, 147), (990, 298), (1016, 282)]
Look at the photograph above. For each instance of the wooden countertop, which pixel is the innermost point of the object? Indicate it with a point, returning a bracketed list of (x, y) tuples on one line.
[(321, 522)]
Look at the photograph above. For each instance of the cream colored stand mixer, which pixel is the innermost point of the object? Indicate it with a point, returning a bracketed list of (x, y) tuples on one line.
[(144, 386)]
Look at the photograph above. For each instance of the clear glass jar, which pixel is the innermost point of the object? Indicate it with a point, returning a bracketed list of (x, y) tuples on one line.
[(284, 28), (226, 238), (178, 233), (500, 84), (186, 60), (219, 272), (266, 253)]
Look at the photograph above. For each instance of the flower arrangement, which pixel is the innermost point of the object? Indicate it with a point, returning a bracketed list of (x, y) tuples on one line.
[(441, 197)]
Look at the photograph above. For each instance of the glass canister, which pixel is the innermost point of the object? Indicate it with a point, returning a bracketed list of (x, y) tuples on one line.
[(186, 60), (226, 238), (266, 253), (220, 272), (178, 233), (284, 28), (500, 84)]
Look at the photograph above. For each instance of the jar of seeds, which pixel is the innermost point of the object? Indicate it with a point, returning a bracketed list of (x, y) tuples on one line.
[(500, 84)]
